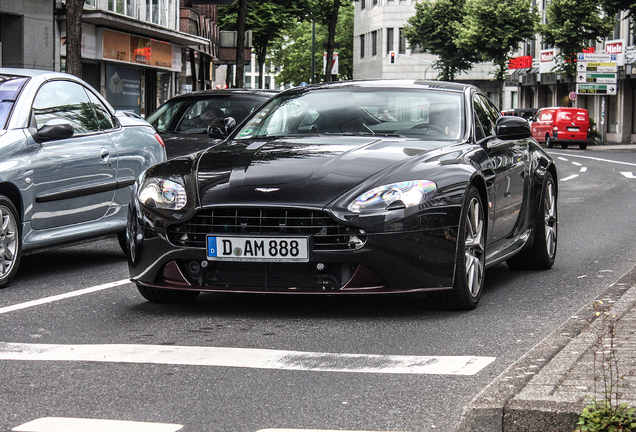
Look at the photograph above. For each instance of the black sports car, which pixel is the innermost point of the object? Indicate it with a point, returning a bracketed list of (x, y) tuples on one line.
[(357, 187)]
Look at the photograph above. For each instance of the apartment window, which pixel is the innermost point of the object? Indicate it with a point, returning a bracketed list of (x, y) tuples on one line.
[(362, 4), (374, 43), (375, 3), (361, 46), (389, 40), (247, 81), (124, 7), (402, 47)]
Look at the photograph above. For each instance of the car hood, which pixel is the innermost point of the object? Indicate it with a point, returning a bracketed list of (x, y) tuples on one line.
[(310, 171)]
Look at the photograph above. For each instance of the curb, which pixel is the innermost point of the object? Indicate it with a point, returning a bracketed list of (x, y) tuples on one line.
[(496, 408)]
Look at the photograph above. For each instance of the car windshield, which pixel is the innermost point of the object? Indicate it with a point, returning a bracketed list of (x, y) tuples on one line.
[(423, 114), (194, 115), (10, 87)]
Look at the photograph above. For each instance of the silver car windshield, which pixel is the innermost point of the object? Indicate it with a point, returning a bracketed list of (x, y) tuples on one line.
[(426, 114), (10, 87)]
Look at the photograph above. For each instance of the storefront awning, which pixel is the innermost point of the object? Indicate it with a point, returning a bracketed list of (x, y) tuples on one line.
[(122, 23)]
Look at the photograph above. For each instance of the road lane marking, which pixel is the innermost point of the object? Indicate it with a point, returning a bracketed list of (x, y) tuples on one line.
[(63, 296), (247, 358), (576, 164), (568, 178), (628, 174), (308, 430), (583, 169), (68, 424), (596, 159)]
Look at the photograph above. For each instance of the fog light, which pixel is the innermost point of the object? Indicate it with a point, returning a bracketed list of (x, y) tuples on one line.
[(320, 266)]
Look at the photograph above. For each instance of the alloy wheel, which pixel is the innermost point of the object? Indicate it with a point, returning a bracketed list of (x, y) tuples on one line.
[(550, 219), (8, 241), (474, 246)]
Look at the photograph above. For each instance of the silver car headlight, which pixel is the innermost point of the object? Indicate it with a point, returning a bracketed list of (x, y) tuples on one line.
[(162, 194), (410, 193)]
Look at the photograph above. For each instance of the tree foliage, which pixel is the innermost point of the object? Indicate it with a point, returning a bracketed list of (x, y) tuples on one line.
[(494, 28), (434, 27), (267, 19), (570, 26), (292, 51)]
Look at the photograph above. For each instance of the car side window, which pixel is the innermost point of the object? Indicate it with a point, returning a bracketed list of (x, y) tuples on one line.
[(104, 118), (65, 102), (484, 118), (492, 113), (479, 131)]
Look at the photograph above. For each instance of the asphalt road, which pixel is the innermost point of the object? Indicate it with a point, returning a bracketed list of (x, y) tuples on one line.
[(596, 246)]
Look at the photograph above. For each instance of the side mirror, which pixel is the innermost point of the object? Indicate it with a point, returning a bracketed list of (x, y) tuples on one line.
[(513, 127), (221, 126), (54, 132)]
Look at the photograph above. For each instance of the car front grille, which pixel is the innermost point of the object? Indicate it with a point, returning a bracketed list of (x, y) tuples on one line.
[(327, 234)]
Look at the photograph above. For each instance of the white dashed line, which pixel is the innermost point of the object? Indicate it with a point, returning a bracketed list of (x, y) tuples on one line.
[(67, 424), (628, 174), (63, 296), (577, 164), (247, 358), (562, 158), (583, 169), (568, 178)]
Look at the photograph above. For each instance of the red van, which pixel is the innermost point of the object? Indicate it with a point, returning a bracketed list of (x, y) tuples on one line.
[(562, 125)]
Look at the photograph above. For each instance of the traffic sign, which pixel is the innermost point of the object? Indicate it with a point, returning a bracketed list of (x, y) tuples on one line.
[(592, 57), (599, 89), (601, 78), (596, 67)]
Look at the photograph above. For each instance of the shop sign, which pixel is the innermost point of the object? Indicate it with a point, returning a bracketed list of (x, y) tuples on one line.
[(136, 49), (115, 46), (616, 47), (547, 60), (523, 62)]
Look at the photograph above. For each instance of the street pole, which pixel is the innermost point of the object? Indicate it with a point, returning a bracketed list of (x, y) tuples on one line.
[(313, 53)]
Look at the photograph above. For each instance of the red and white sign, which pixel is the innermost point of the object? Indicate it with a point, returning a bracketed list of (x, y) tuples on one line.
[(523, 62), (617, 47), (547, 60), (334, 64)]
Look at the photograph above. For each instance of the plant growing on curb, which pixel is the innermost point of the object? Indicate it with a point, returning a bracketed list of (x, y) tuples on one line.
[(605, 413)]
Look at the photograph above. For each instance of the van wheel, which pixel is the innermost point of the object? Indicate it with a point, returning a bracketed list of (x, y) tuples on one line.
[(564, 145), (549, 142), (583, 146), (10, 241)]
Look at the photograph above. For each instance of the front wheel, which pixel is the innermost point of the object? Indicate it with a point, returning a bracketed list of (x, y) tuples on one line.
[(470, 257), (10, 241), (540, 255), (169, 296), (549, 141)]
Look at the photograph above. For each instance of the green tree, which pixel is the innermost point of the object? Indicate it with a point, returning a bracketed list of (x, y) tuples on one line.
[(613, 7), (266, 19), (292, 50), (434, 28), (493, 29), (326, 13), (570, 26)]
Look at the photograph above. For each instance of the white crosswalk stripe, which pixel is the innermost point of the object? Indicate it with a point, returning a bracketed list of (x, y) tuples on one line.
[(68, 424), (247, 358)]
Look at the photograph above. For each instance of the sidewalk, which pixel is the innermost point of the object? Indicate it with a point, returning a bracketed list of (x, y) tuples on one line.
[(546, 390)]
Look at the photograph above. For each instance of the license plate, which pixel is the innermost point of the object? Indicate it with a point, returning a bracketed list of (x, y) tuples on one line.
[(264, 249), (573, 129)]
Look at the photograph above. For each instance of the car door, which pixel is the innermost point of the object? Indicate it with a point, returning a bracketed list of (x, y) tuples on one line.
[(509, 159), (73, 179)]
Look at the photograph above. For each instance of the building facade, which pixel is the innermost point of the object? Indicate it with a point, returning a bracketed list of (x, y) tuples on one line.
[(133, 51), (378, 28)]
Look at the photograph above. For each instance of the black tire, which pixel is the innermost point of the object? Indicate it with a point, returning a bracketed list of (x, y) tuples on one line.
[(470, 256), (121, 239), (564, 145), (540, 255), (549, 142), (10, 241), (168, 296), (583, 146)]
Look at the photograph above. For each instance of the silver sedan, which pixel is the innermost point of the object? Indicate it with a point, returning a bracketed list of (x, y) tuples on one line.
[(67, 163)]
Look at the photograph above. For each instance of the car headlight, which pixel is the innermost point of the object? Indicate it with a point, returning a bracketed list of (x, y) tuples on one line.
[(162, 194), (410, 193)]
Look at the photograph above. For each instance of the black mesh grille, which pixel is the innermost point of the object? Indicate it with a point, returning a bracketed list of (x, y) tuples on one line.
[(327, 233)]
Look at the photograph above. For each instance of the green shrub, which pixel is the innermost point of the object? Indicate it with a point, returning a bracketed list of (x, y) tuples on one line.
[(602, 417)]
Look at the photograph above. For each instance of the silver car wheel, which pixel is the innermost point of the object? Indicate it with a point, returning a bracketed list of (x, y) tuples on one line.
[(474, 247), (550, 219), (8, 241)]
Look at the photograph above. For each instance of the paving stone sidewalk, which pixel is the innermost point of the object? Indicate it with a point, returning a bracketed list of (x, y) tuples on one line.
[(546, 390)]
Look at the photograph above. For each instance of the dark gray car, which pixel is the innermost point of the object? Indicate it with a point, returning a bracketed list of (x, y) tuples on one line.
[(67, 163)]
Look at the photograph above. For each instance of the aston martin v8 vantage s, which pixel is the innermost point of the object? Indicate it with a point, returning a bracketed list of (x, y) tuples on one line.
[(364, 187)]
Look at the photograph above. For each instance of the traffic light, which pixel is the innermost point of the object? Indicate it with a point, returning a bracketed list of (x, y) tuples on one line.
[(392, 54)]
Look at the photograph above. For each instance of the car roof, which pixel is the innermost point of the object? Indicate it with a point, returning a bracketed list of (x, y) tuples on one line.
[(226, 92), (391, 83), (33, 73)]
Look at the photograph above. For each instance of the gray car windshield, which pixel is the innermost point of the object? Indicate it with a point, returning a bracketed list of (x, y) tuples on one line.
[(423, 114), (10, 87)]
